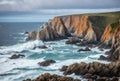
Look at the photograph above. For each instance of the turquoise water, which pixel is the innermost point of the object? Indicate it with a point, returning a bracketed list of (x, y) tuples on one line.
[(27, 67)]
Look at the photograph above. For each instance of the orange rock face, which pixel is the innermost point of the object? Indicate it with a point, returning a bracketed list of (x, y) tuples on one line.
[(107, 35), (90, 34), (59, 27), (71, 22), (81, 29)]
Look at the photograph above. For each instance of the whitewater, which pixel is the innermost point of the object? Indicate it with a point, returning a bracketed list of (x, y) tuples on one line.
[(27, 67)]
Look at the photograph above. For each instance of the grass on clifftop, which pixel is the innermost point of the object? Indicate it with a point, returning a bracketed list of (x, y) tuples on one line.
[(114, 26), (101, 20)]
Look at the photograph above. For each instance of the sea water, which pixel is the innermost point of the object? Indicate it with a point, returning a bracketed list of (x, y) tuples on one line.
[(12, 41)]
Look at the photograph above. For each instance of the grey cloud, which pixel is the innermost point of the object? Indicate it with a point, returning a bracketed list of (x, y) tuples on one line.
[(30, 5)]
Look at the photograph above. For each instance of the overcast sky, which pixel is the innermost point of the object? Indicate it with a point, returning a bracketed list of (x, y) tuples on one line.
[(37, 5)]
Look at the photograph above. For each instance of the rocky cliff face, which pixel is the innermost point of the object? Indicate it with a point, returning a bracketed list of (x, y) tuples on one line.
[(115, 50), (52, 30), (87, 27), (109, 33), (83, 26), (46, 34), (107, 36), (71, 22), (59, 27), (80, 26)]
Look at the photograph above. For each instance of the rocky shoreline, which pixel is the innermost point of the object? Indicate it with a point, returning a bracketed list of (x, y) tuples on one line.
[(82, 30)]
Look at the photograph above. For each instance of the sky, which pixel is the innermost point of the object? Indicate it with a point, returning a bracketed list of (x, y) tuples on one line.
[(36, 5), (55, 7)]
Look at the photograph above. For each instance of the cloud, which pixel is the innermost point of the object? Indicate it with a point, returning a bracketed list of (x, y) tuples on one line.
[(36, 5)]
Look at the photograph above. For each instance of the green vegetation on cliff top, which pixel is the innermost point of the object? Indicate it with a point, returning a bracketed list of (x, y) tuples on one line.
[(101, 20)]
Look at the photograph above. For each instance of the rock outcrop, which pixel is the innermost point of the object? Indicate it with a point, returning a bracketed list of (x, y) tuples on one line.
[(47, 62), (73, 40), (94, 70), (47, 33), (53, 30), (89, 27), (49, 77), (16, 56), (32, 35), (107, 36), (114, 54), (71, 22), (59, 27)]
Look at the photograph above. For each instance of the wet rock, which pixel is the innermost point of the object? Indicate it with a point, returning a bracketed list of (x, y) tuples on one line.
[(47, 62), (15, 56), (31, 36), (102, 58), (73, 40), (49, 77), (82, 43), (43, 47), (1, 54), (86, 49), (26, 33), (94, 70), (114, 53), (101, 49), (63, 68)]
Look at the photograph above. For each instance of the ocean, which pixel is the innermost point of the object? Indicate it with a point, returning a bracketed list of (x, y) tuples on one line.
[(12, 41)]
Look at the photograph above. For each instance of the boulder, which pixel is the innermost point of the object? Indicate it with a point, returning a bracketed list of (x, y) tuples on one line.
[(102, 57), (15, 56), (47, 62), (64, 68)]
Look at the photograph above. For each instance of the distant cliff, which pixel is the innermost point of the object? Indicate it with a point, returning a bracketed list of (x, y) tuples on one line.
[(89, 26)]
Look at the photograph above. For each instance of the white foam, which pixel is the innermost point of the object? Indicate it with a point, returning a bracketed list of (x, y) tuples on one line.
[(21, 33), (21, 47), (19, 63)]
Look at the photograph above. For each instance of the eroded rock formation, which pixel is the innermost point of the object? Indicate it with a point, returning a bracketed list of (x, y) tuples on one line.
[(94, 70), (115, 50)]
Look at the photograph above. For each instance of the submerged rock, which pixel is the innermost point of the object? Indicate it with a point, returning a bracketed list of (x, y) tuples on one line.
[(26, 32), (43, 47), (15, 56), (86, 49), (102, 58), (47, 62), (54, 77)]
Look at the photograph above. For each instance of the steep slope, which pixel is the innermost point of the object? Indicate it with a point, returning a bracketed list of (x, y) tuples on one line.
[(115, 50), (59, 27), (109, 32), (88, 26), (47, 33)]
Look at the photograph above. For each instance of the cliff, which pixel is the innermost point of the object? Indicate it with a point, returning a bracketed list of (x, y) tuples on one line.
[(115, 50), (87, 26), (59, 27), (51, 30), (109, 33), (107, 36)]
